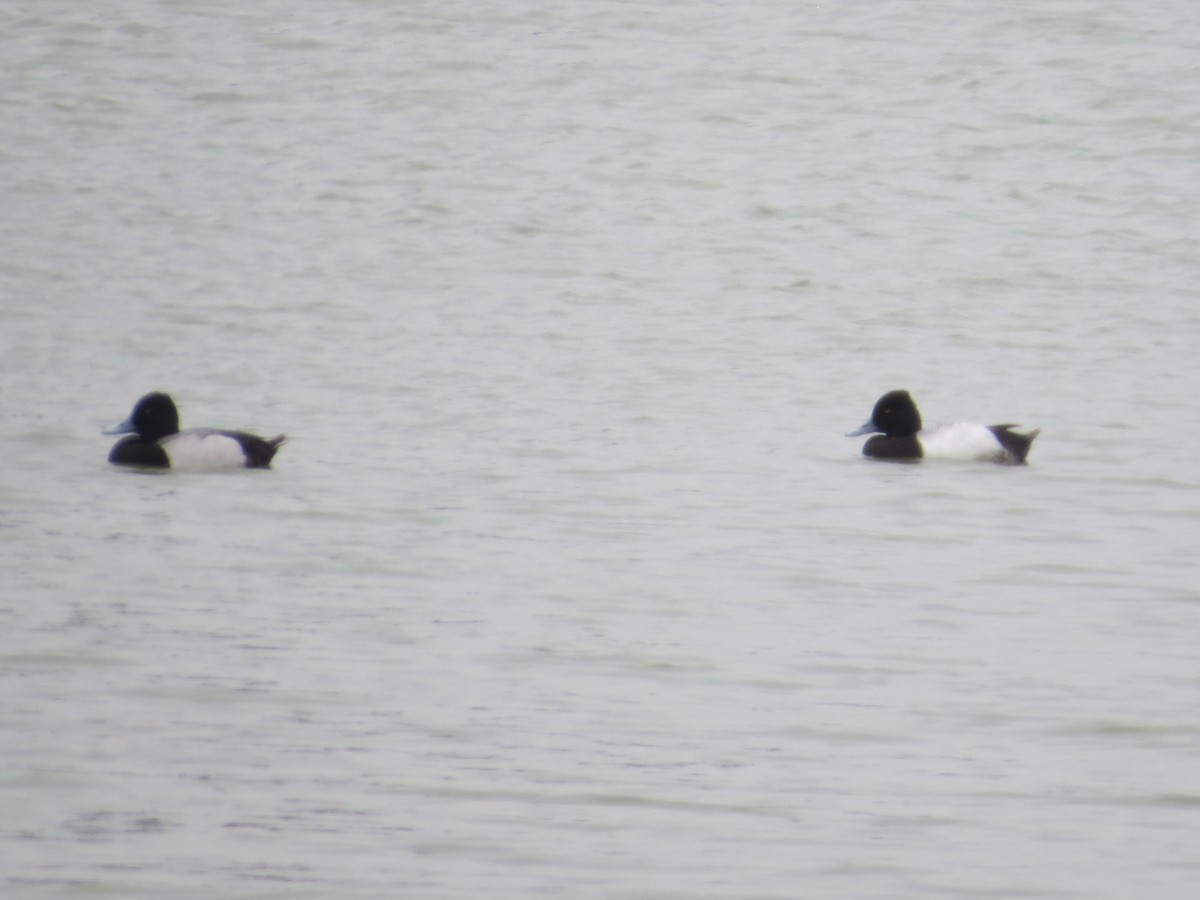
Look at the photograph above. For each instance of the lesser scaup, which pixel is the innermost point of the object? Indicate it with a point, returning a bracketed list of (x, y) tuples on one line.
[(155, 441), (896, 424)]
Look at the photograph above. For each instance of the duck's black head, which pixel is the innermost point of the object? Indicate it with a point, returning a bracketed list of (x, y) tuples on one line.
[(153, 418), (895, 414)]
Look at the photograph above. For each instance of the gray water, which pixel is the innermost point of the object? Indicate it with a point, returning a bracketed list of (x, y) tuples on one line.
[(567, 583)]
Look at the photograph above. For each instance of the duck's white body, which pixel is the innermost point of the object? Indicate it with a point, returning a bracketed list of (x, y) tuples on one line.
[(203, 450), (964, 441)]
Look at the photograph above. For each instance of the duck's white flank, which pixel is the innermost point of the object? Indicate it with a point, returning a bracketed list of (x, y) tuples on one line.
[(203, 449), (962, 440)]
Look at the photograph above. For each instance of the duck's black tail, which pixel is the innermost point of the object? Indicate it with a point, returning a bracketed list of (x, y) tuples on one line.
[(259, 451), (1015, 445)]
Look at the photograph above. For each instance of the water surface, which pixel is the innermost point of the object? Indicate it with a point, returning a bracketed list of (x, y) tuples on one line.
[(567, 582)]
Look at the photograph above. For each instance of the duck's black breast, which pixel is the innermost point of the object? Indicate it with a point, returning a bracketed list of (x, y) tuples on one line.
[(882, 446), (134, 451)]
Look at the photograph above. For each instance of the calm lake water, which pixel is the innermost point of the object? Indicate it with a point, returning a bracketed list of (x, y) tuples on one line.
[(567, 583)]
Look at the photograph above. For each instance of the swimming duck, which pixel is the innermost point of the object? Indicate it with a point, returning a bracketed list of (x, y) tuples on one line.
[(155, 441), (896, 423)]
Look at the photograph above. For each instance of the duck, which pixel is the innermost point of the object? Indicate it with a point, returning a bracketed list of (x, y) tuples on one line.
[(896, 425), (155, 441)]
